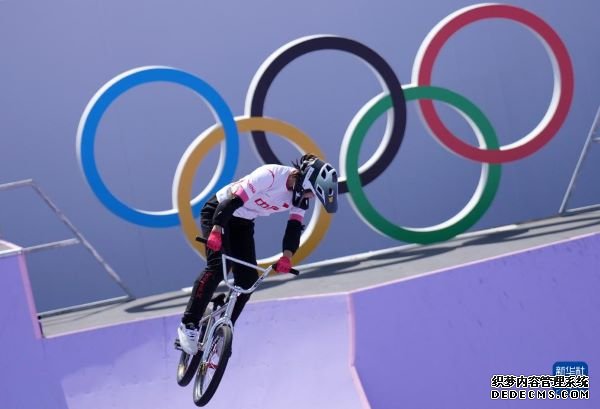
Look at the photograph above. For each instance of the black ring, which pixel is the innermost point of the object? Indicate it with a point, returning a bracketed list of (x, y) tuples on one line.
[(282, 57)]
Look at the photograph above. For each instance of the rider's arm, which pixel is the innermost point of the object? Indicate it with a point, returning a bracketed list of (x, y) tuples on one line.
[(225, 210), (291, 238)]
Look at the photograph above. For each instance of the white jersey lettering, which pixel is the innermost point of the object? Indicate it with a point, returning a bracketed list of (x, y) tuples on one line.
[(264, 192)]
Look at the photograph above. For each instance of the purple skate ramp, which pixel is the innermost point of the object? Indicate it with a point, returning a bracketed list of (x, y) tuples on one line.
[(436, 341), (26, 381), (293, 354), (433, 341)]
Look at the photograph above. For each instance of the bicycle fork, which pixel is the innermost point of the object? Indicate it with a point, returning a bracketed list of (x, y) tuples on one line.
[(225, 319)]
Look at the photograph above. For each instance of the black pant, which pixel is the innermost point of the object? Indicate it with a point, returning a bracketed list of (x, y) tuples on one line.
[(238, 242)]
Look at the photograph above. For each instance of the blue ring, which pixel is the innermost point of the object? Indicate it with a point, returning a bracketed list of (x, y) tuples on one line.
[(107, 95)]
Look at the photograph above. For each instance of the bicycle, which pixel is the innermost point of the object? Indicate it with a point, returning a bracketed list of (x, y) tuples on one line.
[(216, 331)]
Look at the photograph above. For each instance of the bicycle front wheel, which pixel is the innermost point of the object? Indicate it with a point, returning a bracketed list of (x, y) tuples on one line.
[(211, 371)]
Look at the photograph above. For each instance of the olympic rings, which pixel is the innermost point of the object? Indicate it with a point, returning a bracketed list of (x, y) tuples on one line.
[(392, 102), (463, 220), (561, 97), (182, 186), (277, 61), (95, 109)]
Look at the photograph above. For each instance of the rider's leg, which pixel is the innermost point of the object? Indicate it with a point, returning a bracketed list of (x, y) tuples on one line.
[(242, 247), (208, 281)]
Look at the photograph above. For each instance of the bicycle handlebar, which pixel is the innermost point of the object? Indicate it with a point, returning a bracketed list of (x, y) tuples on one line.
[(292, 270)]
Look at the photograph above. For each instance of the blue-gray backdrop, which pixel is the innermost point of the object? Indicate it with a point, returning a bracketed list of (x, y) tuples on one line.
[(57, 54)]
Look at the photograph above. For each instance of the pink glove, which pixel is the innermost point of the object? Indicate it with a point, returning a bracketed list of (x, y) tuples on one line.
[(283, 265), (214, 241)]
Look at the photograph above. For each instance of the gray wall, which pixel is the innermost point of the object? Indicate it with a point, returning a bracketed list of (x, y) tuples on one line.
[(56, 55)]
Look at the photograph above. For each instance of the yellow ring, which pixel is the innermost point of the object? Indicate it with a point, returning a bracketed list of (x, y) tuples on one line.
[(196, 152)]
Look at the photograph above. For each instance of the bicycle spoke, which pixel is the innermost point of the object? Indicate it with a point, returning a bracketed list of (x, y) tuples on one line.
[(210, 366)]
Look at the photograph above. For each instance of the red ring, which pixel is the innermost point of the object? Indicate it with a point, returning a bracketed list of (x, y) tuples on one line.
[(469, 15)]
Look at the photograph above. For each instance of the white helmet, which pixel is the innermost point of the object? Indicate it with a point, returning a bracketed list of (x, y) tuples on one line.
[(319, 177)]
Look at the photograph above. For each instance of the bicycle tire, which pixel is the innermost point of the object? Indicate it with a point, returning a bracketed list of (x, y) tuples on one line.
[(224, 333), (187, 367)]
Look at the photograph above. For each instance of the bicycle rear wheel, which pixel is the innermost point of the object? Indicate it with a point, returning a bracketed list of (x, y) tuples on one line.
[(187, 367), (211, 371)]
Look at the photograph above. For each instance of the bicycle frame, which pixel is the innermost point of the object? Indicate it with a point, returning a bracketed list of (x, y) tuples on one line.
[(235, 291)]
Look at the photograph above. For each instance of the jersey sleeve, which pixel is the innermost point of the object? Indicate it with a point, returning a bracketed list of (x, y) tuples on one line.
[(260, 180), (297, 214)]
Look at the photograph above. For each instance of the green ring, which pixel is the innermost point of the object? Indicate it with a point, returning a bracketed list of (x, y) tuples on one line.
[(487, 188)]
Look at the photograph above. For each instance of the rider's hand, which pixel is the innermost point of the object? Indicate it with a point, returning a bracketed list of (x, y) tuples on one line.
[(214, 241), (284, 264)]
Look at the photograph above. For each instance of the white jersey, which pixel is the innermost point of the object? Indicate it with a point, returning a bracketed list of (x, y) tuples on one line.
[(264, 192)]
